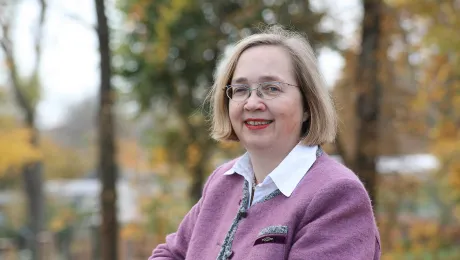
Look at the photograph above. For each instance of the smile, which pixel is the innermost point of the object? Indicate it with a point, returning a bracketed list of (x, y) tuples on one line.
[(257, 124), (250, 122)]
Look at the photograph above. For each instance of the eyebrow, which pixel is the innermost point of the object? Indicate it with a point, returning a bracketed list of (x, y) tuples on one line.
[(240, 80), (261, 79)]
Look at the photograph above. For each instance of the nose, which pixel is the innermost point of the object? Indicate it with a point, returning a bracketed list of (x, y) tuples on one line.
[(254, 102)]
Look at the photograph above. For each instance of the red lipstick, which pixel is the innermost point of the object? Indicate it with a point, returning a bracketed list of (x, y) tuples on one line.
[(257, 123)]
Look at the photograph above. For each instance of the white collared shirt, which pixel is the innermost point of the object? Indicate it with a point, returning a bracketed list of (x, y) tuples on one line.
[(284, 177)]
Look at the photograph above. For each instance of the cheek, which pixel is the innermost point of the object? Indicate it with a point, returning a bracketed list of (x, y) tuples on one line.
[(291, 123), (291, 120), (233, 113)]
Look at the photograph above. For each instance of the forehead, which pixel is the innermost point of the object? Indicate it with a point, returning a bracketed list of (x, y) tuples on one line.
[(264, 63)]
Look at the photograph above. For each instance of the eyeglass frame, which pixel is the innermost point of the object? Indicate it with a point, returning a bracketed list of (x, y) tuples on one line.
[(259, 93)]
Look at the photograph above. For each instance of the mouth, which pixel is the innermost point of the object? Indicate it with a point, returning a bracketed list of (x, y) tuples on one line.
[(257, 124)]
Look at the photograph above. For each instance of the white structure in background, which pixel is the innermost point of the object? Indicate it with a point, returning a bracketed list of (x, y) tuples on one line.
[(413, 164), (85, 194), (408, 164)]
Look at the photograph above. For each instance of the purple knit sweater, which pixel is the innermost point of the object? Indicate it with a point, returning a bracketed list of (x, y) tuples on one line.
[(328, 216)]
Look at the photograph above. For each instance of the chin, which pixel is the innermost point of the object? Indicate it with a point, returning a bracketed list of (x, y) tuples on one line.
[(257, 144)]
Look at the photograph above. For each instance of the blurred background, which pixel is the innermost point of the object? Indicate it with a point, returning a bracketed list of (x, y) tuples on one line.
[(104, 142)]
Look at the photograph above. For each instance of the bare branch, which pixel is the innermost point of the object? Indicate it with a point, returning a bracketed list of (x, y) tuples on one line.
[(38, 36), (4, 27), (7, 47), (74, 17), (4, 39), (80, 21)]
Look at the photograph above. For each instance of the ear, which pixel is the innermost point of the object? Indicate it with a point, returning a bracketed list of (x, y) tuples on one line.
[(305, 116)]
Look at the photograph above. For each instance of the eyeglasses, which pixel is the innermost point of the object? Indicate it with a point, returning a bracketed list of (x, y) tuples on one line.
[(265, 90)]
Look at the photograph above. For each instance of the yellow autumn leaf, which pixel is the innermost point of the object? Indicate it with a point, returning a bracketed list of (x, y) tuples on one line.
[(132, 231), (15, 149), (159, 157), (193, 155)]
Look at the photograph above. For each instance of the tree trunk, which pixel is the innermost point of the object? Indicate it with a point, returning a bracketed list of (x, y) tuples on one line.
[(33, 184), (369, 97), (32, 173), (107, 165)]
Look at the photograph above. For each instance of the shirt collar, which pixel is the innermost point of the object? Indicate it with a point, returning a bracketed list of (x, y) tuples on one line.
[(287, 174), (243, 167)]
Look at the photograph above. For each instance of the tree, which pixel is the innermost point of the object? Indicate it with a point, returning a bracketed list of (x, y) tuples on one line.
[(368, 99), (15, 147), (364, 72), (107, 167), (26, 95), (418, 69), (169, 60), (438, 98)]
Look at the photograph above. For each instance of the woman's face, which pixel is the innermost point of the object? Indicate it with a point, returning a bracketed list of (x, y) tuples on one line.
[(260, 123)]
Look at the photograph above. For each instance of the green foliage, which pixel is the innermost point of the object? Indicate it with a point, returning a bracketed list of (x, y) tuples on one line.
[(30, 87), (169, 54)]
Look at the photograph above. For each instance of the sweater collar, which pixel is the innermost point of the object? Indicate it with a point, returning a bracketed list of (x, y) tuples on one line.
[(287, 175)]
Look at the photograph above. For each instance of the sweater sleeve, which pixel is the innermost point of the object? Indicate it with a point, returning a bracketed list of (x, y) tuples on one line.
[(176, 244), (338, 224)]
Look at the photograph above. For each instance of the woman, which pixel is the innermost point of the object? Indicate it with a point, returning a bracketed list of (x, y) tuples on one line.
[(285, 198)]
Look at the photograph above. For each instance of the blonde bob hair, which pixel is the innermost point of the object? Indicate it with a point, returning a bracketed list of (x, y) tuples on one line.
[(320, 128)]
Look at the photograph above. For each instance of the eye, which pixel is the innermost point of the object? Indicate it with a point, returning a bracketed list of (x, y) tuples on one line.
[(239, 90), (271, 88)]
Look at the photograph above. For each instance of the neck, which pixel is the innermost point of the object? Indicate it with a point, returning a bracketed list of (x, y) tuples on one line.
[(265, 161)]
